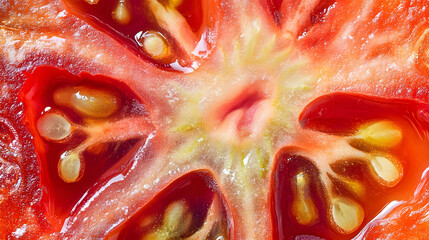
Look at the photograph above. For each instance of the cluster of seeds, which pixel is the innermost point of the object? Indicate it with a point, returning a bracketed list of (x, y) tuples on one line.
[(177, 222), (153, 43), (189, 208), (370, 146), (92, 105)]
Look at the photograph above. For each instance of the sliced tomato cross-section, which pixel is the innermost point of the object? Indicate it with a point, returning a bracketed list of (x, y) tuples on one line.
[(216, 85)]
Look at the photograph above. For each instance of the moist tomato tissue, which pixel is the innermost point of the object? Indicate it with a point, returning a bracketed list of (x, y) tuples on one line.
[(69, 109), (342, 114), (214, 119), (193, 197), (149, 28)]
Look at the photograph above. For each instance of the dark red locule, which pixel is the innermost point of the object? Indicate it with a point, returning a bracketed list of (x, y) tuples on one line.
[(342, 115), (46, 93), (131, 22), (190, 206)]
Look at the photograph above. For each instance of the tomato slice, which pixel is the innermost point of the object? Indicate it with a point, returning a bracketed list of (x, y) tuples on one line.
[(107, 163)]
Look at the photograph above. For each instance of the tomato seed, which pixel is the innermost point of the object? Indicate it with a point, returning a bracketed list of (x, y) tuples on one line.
[(385, 134), (386, 170), (70, 167), (154, 44), (53, 126), (303, 208), (88, 101), (121, 14), (176, 222), (347, 215)]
